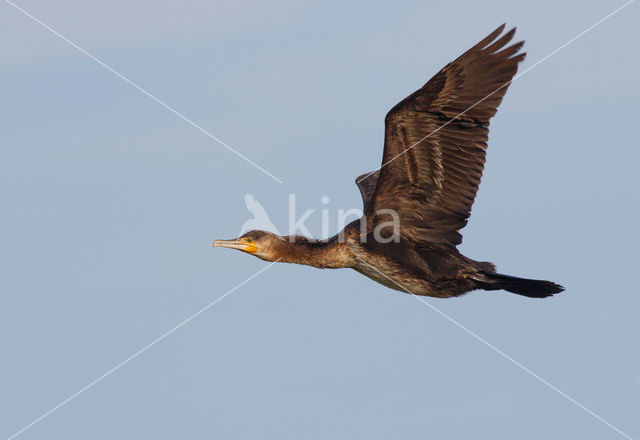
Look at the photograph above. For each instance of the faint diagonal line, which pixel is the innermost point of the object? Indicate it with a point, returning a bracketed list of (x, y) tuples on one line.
[(139, 88), (543, 59), (497, 350), (139, 352)]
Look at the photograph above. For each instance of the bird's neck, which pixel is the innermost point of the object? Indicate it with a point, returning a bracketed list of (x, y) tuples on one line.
[(324, 254)]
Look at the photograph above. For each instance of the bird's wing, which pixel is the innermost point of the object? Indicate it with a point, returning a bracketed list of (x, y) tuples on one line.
[(435, 142), (367, 185)]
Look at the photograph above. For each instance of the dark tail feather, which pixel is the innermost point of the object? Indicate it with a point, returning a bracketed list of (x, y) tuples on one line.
[(521, 286)]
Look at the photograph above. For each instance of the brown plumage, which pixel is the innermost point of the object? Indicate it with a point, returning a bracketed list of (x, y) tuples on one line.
[(420, 198)]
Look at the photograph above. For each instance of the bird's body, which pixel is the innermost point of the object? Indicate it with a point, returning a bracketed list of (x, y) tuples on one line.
[(432, 271), (420, 198)]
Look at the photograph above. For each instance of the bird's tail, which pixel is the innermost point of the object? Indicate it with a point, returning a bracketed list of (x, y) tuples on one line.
[(521, 286)]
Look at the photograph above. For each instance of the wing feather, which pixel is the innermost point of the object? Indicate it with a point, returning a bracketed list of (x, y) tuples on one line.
[(436, 140), (367, 185)]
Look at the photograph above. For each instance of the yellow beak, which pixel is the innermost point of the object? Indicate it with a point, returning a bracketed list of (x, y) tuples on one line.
[(236, 244)]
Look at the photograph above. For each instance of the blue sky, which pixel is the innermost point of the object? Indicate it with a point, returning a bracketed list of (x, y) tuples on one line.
[(110, 203)]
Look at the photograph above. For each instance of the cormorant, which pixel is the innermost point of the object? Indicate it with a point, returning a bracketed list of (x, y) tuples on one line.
[(418, 201)]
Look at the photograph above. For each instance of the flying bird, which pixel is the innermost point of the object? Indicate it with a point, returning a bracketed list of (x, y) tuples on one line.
[(420, 198)]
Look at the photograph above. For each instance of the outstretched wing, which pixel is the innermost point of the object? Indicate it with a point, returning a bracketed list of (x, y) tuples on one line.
[(435, 142)]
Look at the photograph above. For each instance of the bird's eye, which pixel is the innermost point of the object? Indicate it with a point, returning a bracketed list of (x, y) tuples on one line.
[(249, 240)]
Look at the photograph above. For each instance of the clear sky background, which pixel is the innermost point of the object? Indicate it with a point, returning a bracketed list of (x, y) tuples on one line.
[(110, 203)]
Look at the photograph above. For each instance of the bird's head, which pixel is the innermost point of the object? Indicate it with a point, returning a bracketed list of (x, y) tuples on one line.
[(262, 244)]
